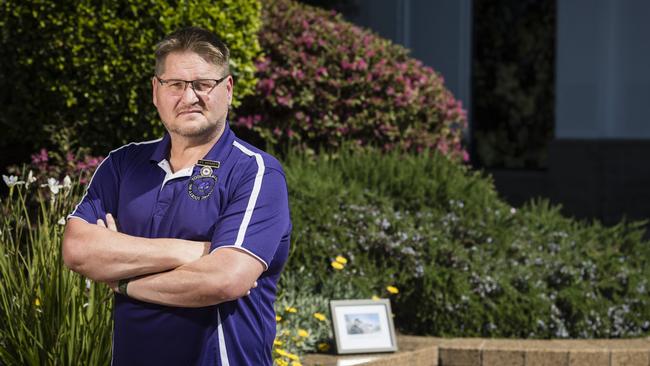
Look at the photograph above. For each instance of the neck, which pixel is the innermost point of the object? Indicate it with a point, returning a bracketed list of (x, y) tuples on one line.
[(185, 151)]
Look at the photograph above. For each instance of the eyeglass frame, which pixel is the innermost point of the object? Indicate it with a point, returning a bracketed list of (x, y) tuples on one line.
[(191, 83)]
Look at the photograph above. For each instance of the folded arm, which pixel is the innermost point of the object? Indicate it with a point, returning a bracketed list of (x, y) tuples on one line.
[(225, 274), (103, 254)]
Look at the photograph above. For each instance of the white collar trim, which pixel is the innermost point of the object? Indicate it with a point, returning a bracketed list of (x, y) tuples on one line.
[(169, 175)]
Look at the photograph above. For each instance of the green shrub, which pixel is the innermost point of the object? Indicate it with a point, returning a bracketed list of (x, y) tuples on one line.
[(466, 263), (324, 81), (48, 314), (302, 322), (79, 72)]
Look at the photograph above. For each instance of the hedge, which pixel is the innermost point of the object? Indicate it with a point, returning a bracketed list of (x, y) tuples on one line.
[(78, 73), (324, 81), (465, 262)]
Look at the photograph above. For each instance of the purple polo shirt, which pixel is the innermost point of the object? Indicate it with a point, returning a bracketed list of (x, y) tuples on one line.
[(243, 204)]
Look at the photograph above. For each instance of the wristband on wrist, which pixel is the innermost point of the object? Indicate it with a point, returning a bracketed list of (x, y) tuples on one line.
[(122, 285)]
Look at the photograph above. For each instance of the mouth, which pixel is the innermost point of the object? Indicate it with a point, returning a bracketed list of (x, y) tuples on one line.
[(193, 111)]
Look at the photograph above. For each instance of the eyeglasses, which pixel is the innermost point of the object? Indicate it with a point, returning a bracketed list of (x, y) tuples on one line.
[(200, 86)]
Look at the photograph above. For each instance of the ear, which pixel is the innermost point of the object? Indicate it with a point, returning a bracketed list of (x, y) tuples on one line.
[(154, 89), (229, 88)]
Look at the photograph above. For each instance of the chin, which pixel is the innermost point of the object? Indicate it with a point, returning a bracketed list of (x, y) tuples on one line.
[(195, 131), (193, 128)]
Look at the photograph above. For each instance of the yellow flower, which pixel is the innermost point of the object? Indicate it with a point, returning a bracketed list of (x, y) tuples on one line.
[(282, 352), (281, 362), (341, 259), (293, 357), (337, 265), (278, 318), (303, 333), (37, 302), (277, 343), (323, 347), (319, 316), (296, 363), (392, 289), (290, 309), (375, 297)]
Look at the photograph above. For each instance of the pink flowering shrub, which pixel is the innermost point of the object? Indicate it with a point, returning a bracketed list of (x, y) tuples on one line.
[(46, 165), (324, 81)]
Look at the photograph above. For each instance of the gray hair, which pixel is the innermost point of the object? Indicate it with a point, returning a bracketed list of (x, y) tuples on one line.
[(198, 40)]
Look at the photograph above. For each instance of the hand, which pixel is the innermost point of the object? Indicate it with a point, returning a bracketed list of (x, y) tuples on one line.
[(113, 286), (110, 224)]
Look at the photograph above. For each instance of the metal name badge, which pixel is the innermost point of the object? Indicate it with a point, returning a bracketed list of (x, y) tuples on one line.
[(211, 163)]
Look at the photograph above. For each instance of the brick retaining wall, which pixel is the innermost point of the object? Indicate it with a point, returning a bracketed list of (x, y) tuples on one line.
[(427, 351)]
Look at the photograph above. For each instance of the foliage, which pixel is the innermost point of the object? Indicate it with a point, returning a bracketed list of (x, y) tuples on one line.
[(514, 82), (466, 263), (71, 71), (302, 322), (50, 164), (48, 314), (324, 81), (302, 306), (422, 230)]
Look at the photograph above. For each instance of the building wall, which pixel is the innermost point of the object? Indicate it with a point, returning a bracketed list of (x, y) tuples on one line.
[(598, 165), (603, 70)]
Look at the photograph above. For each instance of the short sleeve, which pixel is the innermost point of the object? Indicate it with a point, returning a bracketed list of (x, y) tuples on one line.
[(257, 217), (101, 196)]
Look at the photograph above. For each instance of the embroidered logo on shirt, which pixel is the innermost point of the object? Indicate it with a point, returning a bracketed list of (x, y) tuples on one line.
[(201, 186)]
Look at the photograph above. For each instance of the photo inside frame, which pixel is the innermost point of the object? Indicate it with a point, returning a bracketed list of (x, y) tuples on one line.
[(362, 327)]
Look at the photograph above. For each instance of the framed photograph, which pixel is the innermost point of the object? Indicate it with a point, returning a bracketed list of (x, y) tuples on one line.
[(363, 326)]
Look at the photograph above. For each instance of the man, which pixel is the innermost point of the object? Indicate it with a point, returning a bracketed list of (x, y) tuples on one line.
[(203, 218)]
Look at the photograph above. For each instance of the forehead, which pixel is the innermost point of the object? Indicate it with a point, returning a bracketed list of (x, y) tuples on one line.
[(189, 64)]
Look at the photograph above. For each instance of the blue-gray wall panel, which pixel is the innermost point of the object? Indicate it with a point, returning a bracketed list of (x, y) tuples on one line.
[(602, 72)]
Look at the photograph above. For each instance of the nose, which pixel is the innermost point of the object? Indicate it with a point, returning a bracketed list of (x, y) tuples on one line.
[(189, 95)]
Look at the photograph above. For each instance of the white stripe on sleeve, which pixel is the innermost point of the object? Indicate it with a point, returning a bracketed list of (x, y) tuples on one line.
[(257, 185)]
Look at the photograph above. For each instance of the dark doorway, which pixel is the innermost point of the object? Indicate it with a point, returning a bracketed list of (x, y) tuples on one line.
[(513, 82)]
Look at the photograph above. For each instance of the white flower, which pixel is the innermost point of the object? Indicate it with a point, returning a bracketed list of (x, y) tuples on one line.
[(30, 179), (61, 221), (53, 184), (12, 180), (513, 210), (67, 182)]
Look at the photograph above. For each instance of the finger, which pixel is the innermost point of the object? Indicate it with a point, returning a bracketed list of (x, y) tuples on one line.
[(110, 222), (100, 222)]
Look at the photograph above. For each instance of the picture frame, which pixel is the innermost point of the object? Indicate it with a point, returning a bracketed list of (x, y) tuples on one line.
[(363, 326)]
